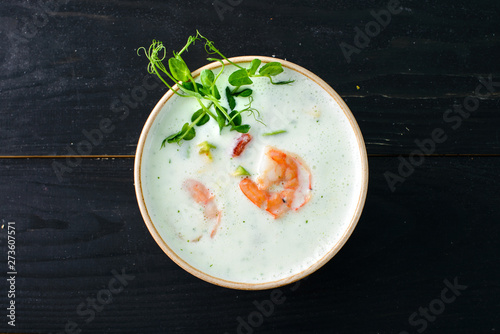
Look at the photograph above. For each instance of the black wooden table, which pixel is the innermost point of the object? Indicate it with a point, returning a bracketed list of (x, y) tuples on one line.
[(422, 79)]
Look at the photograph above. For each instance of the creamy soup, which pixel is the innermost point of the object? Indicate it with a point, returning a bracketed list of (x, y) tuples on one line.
[(242, 242)]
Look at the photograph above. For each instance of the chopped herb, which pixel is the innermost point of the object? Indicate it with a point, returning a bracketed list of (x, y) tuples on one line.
[(205, 149), (274, 133), (240, 171)]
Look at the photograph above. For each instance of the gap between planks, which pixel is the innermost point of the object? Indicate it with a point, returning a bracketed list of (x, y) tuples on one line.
[(131, 156), (124, 156)]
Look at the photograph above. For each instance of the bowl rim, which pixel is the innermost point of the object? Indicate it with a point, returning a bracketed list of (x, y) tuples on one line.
[(261, 285)]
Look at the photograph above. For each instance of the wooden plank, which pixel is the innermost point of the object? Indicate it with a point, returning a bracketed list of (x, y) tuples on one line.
[(440, 224), (399, 126), (59, 81)]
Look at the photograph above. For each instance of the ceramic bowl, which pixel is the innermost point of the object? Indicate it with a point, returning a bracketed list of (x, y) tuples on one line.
[(357, 196)]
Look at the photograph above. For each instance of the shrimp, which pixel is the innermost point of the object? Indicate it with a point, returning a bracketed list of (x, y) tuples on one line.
[(202, 195), (283, 184)]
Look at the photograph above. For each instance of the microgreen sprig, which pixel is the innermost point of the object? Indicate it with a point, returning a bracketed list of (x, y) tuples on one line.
[(206, 91), (274, 133)]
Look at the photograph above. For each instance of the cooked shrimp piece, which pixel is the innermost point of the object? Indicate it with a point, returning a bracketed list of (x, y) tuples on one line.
[(202, 195), (283, 184), (254, 193)]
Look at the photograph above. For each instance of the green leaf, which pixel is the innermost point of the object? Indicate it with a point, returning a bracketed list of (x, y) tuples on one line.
[(244, 93), (239, 78), (203, 119), (221, 119), (230, 99), (237, 119), (187, 132), (254, 65), (179, 69), (204, 91), (271, 69), (216, 93), (241, 128), (282, 82), (207, 78), (174, 138), (189, 86)]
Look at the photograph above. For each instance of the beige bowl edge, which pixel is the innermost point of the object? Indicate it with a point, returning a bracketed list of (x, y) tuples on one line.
[(243, 285)]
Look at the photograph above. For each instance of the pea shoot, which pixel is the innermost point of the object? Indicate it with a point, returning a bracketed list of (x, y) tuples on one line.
[(273, 133), (206, 91)]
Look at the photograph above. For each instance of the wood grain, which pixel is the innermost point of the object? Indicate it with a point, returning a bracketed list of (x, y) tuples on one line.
[(67, 66), (81, 67), (440, 224)]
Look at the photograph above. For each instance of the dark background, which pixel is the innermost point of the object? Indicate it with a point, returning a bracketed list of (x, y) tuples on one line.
[(66, 65)]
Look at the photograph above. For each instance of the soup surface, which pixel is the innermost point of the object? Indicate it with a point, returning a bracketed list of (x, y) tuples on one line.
[(242, 242)]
